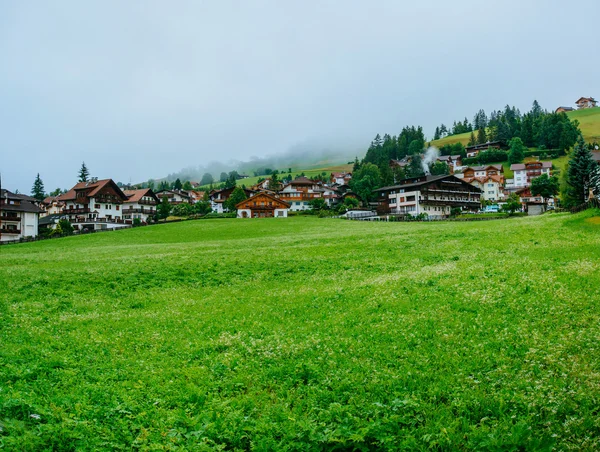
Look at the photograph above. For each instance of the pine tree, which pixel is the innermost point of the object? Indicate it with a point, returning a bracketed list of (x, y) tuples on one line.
[(516, 153), (436, 135), (37, 191), (481, 136), (177, 185), (164, 208), (472, 140), (84, 173), (580, 173)]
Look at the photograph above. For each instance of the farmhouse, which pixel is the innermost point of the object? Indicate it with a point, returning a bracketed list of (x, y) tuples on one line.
[(51, 205), (262, 205), (433, 195), (94, 205), (19, 216), (473, 151), (140, 204), (299, 192), (586, 102), (563, 109)]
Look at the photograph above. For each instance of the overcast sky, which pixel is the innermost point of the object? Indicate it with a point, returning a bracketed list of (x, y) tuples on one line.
[(139, 89)]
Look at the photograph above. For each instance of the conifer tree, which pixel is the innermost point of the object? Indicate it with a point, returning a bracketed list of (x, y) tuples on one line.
[(580, 173), (84, 173), (481, 136), (37, 191)]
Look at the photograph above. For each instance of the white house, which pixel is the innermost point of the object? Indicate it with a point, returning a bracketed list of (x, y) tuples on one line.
[(492, 187), (433, 195), (140, 204), (19, 216), (95, 205), (524, 173), (175, 196)]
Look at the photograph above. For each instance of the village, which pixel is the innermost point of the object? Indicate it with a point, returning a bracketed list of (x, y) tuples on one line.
[(97, 205)]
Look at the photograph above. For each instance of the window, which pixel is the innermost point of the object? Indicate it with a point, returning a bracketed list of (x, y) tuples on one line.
[(117, 207), (96, 206)]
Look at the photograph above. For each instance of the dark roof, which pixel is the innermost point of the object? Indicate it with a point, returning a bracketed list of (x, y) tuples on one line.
[(302, 181), (51, 219), (10, 195), (26, 203), (485, 145), (565, 108), (274, 198), (419, 183)]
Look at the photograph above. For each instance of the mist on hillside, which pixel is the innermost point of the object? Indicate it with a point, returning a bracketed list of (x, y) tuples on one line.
[(299, 157)]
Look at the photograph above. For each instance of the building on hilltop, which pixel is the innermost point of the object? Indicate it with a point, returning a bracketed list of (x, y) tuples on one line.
[(474, 150), (432, 195), (19, 216), (586, 102), (453, 161), (140, 204), (95, 205), (262, 205), (563, 109)]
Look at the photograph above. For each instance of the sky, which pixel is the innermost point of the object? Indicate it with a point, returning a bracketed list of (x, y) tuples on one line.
[(140, 89)]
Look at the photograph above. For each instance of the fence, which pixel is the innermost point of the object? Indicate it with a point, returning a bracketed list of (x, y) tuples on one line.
[(590, 204), (58, 236)]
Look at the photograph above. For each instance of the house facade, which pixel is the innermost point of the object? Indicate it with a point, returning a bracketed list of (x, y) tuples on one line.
[(95, 205), (19, 216), (433, 195), (481, 171), (299, 192), (218, 197), (140, 204), (492, 187), (524, 173), (262, 205), (340, 178), (453, 161), (586, 102), (174, 196), (51, 206)]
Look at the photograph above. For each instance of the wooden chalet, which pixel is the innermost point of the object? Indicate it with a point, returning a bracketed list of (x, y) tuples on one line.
[(141, 204), (474, 150), (94, 205), (432, 195), (586, 102), (563, 109), (262, 205), (218, 197)]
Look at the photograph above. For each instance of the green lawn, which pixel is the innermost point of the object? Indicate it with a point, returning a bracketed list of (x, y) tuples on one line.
[(305, 334)]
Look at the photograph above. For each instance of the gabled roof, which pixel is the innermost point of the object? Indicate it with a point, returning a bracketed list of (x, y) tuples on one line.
[(136, 195), (591, 99), (182, 193), (10, 195), (26, 203), (302, 180), (95, 188), (423, 180), (267, 195), (564, 108)]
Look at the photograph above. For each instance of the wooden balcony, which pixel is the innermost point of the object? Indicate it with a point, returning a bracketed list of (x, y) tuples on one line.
[(10, 217), (147, 203), (134, 210), (76, 211), (9, 231)]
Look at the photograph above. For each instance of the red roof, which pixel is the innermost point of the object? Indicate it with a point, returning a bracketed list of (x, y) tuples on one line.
[(95, 188)]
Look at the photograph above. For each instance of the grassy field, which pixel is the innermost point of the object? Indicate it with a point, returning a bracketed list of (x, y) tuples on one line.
[(305, 334), (589, 123)]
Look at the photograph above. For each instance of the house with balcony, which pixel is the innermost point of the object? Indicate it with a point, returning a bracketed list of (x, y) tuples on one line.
[(51, 205), (471, 172), (586, 102), (218, 197), (262, 205), (453, 161), (175, 196), (299, 192), (433, 195), (492, 187), (340, 178), (524, 173), (19, 216), (95, 205), (140, 204)]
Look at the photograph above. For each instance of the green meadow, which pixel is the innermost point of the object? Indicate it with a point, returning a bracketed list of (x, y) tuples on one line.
[(305, 334)]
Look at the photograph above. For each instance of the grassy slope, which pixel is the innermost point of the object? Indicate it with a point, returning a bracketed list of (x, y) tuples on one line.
[(308, 172), (269, 334), (589, 123)]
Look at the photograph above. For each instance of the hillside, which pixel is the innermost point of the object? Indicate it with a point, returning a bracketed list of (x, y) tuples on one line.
[(589, 123), (304, 334)]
